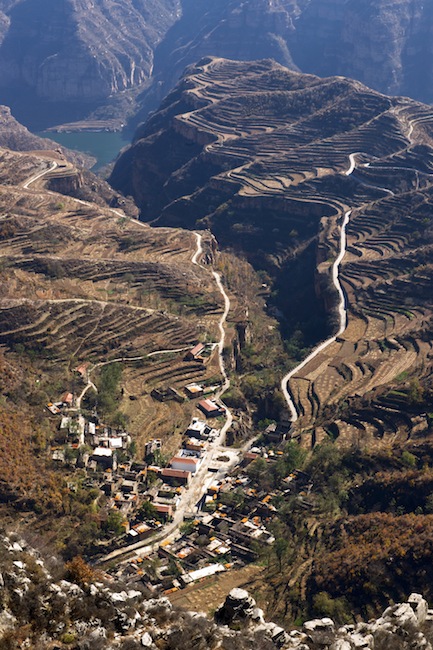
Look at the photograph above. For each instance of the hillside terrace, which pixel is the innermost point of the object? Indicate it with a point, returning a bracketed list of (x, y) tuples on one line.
[(281, 157)]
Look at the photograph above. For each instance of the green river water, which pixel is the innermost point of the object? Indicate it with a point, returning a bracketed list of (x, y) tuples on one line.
[(103, 145)]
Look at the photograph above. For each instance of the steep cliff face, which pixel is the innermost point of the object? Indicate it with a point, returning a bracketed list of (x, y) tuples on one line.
[(80, 49), (383, 43), (386, 44), (82, 52), (228, 28)]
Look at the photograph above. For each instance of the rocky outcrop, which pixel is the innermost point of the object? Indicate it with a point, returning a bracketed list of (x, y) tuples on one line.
[(16, 137), (402, 626), (94, 614)]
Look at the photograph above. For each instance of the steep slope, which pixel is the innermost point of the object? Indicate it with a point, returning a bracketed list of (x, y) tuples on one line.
[(230, 29), (61, 51), (271, 160), (385, 44)]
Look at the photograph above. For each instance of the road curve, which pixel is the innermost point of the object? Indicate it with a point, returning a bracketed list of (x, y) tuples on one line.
[(226, 384), (32, 179), (342, 312)]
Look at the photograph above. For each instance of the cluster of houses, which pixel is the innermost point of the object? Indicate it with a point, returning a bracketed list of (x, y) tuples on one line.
[(226, 533), (165, 485), (231, 525), (101, 450)]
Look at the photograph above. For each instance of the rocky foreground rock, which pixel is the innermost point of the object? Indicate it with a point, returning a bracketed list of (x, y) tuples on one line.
[(39, 611), (401, 626)]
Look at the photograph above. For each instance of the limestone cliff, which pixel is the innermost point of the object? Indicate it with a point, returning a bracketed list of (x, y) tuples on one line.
[(81, 610), (384, 43), (80, 50)]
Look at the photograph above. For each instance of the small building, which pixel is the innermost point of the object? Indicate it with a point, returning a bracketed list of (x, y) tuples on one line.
[(210, 408), (139, 532), (67, 398), (248, 458), (53, 408), (194, 390), (195, 445), (185, 463), (205, 572), (82, 369), (199, 429), (152, 446), (129, 486), (104, 457), (277, 432), (164, 511), (175, 476), (195, 353)]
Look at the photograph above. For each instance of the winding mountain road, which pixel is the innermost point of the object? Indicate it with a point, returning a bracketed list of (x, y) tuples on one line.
[(342, 309), (226, 384), (200, 481)]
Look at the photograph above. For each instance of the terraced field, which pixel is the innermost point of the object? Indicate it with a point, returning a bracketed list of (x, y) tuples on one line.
[(270, 161), (83, 283)]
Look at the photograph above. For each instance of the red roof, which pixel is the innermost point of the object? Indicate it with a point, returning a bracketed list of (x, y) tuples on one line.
[(184, 459), (67, 398), (175, 473), (197, 349), (81, 369), (208, 406), (161, 507)]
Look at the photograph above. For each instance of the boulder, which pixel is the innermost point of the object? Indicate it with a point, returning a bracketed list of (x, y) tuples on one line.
[(361, 642), (320, 631), (146, 640), (419, 606), (400, 616), (341, 644), (238, 605), (258, 615), (428, 623)]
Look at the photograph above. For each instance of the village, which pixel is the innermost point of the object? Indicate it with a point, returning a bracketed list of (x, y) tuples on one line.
[(184, 520)]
